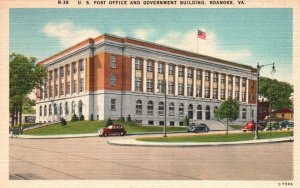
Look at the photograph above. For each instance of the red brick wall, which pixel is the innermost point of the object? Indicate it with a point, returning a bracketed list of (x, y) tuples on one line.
[(252, 100)]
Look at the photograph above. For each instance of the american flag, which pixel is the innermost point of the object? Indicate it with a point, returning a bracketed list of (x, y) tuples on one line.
[(201, 35)]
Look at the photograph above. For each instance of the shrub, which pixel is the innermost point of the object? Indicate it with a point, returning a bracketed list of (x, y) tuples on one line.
[(63, 122), (108, 122), (186, 121), (129, 118), (122, 119), (81, 117), (74, 117)]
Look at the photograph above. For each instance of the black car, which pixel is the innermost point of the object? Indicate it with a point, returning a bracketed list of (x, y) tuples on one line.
[(198, 128)]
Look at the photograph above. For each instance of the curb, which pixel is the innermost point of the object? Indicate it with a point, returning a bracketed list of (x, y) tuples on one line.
[(133, 142), (81, 135)]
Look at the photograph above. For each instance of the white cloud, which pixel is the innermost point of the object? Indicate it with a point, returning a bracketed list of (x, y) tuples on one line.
[(143, 34), (119, 33), (68, 33), (210, 46)]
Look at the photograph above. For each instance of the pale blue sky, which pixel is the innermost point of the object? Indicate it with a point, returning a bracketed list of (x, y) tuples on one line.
[(245, 36)]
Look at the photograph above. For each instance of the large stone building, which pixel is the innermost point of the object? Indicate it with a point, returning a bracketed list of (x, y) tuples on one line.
[(110, 77)]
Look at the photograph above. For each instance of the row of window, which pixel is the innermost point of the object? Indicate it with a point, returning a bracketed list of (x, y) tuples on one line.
[(171, 109), (58, 109), (61, 70), (44, 90)]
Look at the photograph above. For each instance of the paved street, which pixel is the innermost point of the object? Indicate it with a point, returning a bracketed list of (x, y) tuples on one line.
[(93, 158)]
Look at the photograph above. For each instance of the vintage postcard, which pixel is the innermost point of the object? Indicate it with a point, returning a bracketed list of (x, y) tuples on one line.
[(149, 93)]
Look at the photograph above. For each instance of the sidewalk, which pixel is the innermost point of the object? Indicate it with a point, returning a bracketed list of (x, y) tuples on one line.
[(82, 135), (133, 142)]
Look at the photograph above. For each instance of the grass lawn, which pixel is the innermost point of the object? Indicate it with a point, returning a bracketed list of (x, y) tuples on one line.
[(82, 127), (236, 127), (218, 137)]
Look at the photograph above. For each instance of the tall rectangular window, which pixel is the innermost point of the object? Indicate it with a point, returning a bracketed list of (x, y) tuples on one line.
[(207, 76), (180, 89), (81, 84), (215, 93), (55, 90), (68, 86), (215, 77), (74, 86), (160, 86), (244, 82), (171, 88), (149, 66), (198, 75), (223, 94), (113, 61), (61, 70), (138, 64), (61, 89), (74, 68), (160, 68), (199, 91), (190, 73), (68, 70), (230, 80), (138, 84), (149, 85), (113, 104), (206, 92), (222, 78), (82, 65), (180, 71), (189, 90), (171, 69)]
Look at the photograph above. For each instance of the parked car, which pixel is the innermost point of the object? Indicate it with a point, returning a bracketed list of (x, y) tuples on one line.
[(290, 125), (250, 126), (114, 129), (196, 128), (274, 126)]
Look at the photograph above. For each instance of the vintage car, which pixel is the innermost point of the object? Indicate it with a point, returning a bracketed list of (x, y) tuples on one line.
[(114, 129), (198, 128), (250, 126)]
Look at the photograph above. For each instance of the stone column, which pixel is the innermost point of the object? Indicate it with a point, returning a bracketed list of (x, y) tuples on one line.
[(144, 79), (176, 80), (65, 80), (166, 78), (194, 82), (240, 92), (233, 87), (185, 82), (78, 77), (59, 81), (211, 84), (71, 78), (155, 77), (48, 84), (247, 90), (203, 84), (219, 86), (226, 87), (132, 73)]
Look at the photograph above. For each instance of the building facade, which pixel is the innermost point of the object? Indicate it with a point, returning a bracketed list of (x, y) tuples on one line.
[(112, 77)]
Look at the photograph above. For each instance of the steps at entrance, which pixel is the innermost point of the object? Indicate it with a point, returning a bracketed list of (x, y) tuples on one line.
[(213, 125)]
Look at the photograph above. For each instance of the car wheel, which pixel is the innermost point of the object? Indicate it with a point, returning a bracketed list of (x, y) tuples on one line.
[(105, 134), (244, 131), (121, 134)]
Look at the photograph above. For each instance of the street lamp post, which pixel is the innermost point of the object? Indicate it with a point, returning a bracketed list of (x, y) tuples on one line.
[(256, 136), (165, 124)]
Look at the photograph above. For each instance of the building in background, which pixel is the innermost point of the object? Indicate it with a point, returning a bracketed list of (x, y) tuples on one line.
[(112, 77), (283, 114)]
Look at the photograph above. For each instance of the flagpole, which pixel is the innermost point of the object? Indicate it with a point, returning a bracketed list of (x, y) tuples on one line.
[(197, 45)]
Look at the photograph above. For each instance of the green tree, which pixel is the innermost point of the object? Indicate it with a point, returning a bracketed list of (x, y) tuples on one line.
[(277, 92), (24, 76), (228, 111), (186, 121)]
